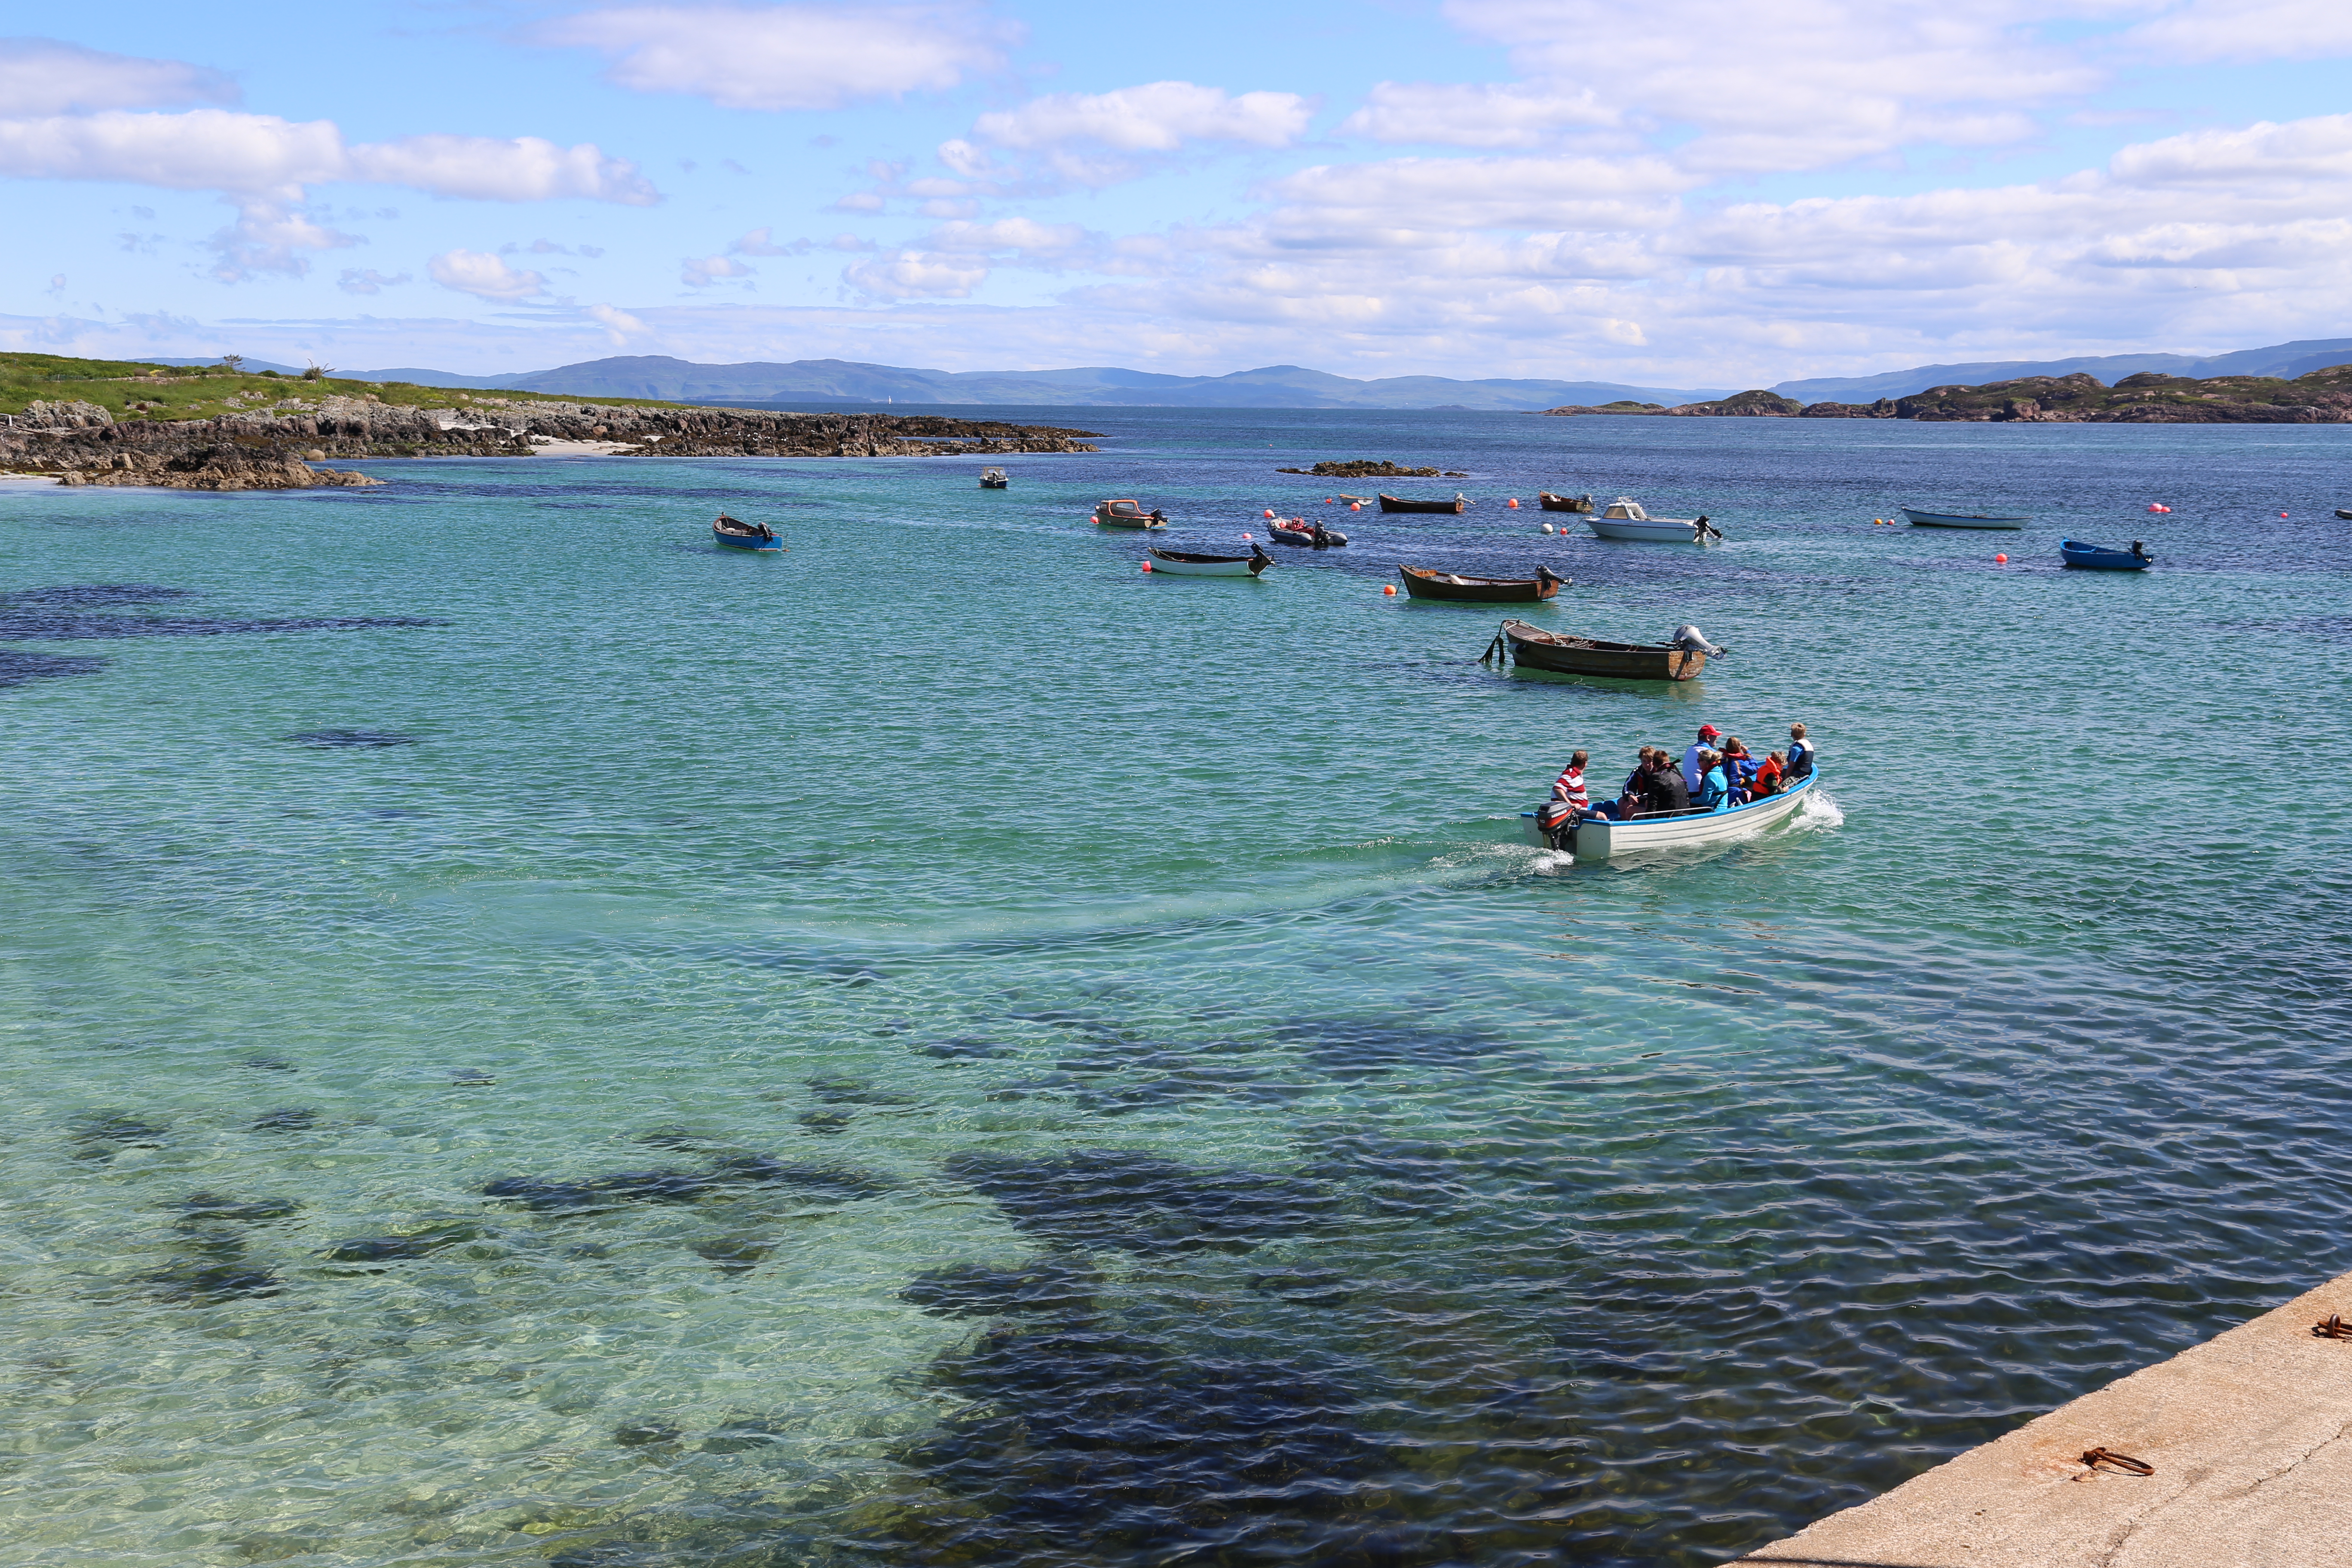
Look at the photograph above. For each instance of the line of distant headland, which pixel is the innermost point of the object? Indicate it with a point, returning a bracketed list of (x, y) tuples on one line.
[(2322, 397), (220, 428)]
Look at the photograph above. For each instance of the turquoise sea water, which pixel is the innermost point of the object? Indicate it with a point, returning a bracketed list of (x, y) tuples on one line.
[(982, 1056)]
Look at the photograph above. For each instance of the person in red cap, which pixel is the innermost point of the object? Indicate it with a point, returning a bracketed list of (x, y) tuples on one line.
[(1692, 771)]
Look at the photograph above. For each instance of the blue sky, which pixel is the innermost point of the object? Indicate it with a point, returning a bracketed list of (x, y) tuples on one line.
[(1685, 192)]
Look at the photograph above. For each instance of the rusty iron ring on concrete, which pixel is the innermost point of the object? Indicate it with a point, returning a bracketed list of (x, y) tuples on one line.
[(2094, 1458)]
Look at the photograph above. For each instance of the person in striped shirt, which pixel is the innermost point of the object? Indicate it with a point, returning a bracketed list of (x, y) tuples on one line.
[(1570, 789)]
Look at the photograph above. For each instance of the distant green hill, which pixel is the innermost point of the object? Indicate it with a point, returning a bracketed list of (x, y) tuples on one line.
[(154, 389)]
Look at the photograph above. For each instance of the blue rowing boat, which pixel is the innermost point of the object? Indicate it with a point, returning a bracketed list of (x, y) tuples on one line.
[(736, 534), (2099, 558)]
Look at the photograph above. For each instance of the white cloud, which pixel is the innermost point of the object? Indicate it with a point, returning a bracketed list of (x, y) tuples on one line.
[(618, 324), (1804, 84), (484, 276), (202, 150), (2211, 30), (45, 76), (1019, 235), (268, 237), (368, 280), (916, 275), (788, 56), (698, 272), (487, 168), (1347, 202), (761, 242), (1158, 117), (1488, 114), (255, 155)]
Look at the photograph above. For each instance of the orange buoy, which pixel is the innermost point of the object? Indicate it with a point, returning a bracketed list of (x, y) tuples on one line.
[(1269, 511), (2000, 560), (1512, 503), (2282, 514), (1355, 505), (1390, 589), (1147, 566)]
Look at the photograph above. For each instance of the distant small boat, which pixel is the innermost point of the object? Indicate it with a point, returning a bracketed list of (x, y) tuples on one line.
[(2098, 558), (1186, 563), (994, 479), (2344, 513), (1397, 503), (1303, 535), (1424, 583), (736, 534), (1550, 503), (1562, 654), (1127, 515), (1963, 520), (1625, 519)]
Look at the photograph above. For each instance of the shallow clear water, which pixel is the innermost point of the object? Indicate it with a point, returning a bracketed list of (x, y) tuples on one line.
[(1358, 1185)]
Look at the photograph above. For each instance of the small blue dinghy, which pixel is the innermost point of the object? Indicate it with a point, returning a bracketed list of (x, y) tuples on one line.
[(2099, 558), (734, 533)]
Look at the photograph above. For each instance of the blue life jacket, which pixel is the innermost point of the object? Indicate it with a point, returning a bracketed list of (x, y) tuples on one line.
[(1713, 791), (1801, 759)]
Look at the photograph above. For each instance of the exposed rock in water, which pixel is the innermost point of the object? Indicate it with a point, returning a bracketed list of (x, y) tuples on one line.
[(215, 467), (1362, 469)]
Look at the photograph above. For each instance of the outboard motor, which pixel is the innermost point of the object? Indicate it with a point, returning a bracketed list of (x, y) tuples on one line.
[(1691, 638), (1556, 820)]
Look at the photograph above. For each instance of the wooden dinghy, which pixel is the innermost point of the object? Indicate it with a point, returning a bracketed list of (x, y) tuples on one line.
[(1424, 583), (1550, 503), (2099, 558), (736, 534), (1602, 840), (1127, 515), (1564, 654), (1186, 563), (1964, 519), (1398, 503)]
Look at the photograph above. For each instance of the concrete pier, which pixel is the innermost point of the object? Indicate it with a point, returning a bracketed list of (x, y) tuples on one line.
[(2250, 1434)]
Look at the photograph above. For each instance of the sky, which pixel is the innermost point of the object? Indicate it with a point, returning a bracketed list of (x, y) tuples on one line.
[(1677, 192)]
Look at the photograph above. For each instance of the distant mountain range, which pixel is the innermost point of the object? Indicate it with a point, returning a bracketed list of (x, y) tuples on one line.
[(834, 380)]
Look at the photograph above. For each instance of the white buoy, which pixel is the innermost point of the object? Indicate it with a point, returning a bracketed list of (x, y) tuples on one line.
[(1547, 528)]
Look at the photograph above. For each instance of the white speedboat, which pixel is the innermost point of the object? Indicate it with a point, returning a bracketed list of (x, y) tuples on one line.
[(1602, 840), (1625, 519), (1189, 564), (1964, 519)]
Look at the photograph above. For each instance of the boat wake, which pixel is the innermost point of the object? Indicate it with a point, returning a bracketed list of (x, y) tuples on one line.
[(1818, 812)]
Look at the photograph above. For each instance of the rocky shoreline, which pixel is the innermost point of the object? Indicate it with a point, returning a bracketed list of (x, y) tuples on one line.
[(2322, 397), (277, 448)]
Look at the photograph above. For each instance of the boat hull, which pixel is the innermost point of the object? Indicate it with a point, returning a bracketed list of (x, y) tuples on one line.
[(1603, 841), (742, 541), (1960, 520), (1331, 539), (1649, 531), (1398, 503), (1175, 563), (1550, 503), (2097, 558), (1561, 655), (1426, 584)]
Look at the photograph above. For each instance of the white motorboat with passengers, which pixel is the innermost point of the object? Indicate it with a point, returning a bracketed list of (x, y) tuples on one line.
[(1625, 519), (1600, 838)]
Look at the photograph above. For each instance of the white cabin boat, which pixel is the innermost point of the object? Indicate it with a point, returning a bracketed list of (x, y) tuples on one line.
[(1625, 519), (1602, 840)]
